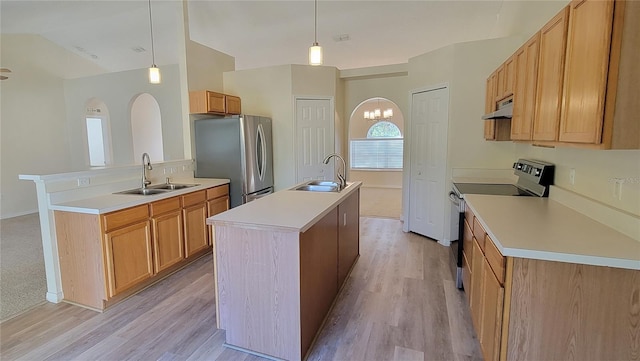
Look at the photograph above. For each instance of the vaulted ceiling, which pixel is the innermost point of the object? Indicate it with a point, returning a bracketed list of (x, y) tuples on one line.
[(354, 34)]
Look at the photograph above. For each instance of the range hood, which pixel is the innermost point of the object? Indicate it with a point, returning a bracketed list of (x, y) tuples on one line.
[(505, 110)]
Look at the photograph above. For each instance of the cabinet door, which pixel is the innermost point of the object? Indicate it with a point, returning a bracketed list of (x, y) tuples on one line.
[(587, 64), (348, 234), (232, 104), (501, 82), (195, 230), (168, 246), (467, 251), (509, 77), (129, 259), (524, 95), (214, 207), (553, 40), (215, 102), (492, 306), (490, 106), (477, 274)]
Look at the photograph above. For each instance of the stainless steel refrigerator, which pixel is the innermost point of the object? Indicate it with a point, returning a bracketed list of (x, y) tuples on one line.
[(238, 148)]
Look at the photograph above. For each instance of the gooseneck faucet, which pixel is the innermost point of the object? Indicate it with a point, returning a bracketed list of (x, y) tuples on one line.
[(341, 178), (145, 165)]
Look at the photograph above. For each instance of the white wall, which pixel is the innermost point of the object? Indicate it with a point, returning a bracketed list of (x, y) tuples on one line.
[(270, 92), (33, 118), (118, 90)]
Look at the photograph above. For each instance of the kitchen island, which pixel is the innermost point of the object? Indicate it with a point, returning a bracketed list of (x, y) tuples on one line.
[(279, 264)]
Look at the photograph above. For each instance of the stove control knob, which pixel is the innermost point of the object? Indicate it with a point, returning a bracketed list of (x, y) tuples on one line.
[(519, 166), (538, 171)]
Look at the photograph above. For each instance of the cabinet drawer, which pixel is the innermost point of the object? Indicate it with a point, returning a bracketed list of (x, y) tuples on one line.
[(467, 241), (468, 215), (219, 191), (194, 198), (479, 233), (164, 206), (495, 258), (125, 217)]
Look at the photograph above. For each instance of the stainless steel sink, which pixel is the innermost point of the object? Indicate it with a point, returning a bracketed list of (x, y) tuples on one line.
[(324, 183), (318, 188), (143, 191), (172, 186)]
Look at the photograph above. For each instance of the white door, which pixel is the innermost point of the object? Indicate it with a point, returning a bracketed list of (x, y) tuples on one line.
[(427, 184), (314, 139)]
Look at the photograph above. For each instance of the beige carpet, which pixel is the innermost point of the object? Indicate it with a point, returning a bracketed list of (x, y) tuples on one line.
[(381, 202), (22, 276)]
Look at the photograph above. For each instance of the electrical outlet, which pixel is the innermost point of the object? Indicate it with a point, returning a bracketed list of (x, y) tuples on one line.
[(572, 176), (165, 171), (173, 170), (83, 181)]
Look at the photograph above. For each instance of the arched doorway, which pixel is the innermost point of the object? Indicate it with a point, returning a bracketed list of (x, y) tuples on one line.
[(146, 128), (376, 141)]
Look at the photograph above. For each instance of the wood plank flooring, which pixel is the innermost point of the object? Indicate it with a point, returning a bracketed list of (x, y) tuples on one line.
[(399, 303)]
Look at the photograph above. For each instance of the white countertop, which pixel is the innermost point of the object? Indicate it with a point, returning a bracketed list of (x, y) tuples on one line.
[(113, 202), (288, 210), (540, 228), (482, 180)]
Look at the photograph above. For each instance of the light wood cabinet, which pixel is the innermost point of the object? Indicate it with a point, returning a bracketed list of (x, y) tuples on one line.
[(553, 40), (585, 76), (348, 235), (509, 78), (128, 256), (217, 202), (475, 296), (495, 129), (524, 94), (194, 212), (105, 258), (492, 308), (166, 223), (208, 102), (232, 104)]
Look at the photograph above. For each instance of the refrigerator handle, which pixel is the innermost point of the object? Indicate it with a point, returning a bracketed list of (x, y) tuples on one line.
[(261, 152)]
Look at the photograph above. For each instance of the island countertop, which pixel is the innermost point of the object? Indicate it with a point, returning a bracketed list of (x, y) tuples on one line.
[(540, 228), (289, 209), (112, 202)]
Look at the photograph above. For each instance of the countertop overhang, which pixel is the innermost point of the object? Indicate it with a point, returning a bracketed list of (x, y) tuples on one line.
[(286, 210), (540, 228), (112, 202)]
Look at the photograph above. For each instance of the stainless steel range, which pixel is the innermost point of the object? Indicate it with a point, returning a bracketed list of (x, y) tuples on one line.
[(534, 179)]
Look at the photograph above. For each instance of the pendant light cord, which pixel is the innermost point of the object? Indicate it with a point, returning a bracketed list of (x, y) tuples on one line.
[(153, 53), (315, 29)]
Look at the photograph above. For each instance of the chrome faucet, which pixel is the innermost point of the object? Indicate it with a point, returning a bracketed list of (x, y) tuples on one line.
[(145, 166), (341, 178)]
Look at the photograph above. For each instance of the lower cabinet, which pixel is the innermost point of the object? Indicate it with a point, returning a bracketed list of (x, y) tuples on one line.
[(217, 202), (492, 306), (194, 211), (104, 258), (166, 224), (129, 256)]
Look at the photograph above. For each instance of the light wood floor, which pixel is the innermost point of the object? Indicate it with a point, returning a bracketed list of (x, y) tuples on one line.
[(399, 303)]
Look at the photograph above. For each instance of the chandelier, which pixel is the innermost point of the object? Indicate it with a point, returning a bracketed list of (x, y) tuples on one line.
[(378, 114)]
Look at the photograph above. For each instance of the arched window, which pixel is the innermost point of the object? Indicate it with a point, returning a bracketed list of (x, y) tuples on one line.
[(382, 149)]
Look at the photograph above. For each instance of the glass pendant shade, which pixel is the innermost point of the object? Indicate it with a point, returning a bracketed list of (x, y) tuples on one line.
[(154, 75), (315, 54)]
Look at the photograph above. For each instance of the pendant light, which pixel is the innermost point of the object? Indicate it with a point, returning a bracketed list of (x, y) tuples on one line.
[(315, 51), (154, 72)]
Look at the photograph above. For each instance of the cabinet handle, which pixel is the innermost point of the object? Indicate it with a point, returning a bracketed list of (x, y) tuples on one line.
[(344, 219)]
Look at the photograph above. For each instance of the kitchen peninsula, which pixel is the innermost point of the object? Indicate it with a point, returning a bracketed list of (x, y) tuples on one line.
[(279, 263)]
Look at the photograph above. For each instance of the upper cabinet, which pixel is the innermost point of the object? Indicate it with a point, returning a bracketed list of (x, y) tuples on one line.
[(524, 93), (548, 98), (208, 102), (576, 81)]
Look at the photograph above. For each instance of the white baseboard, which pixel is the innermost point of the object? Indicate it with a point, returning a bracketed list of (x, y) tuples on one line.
[(55, 297)]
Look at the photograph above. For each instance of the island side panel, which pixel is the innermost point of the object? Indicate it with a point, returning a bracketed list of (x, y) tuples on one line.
[(567, 311), (259, 289)]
